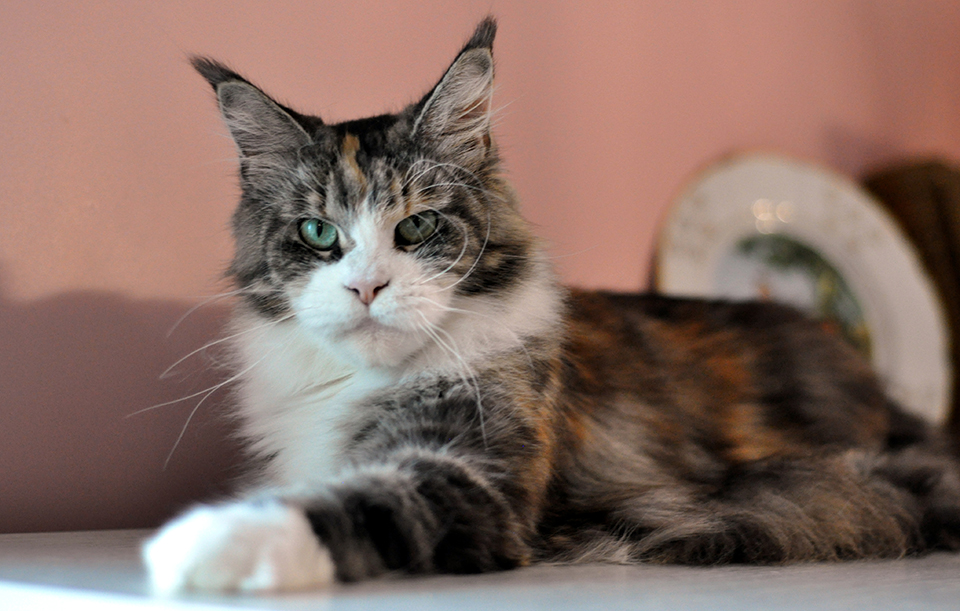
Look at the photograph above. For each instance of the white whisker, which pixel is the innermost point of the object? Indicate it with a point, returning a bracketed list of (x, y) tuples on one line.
[(490, 318), (186, 424), (210, 391), (463, 250), (433, 331), (483, 248), (217, 386), (205, 301), (221, 340)]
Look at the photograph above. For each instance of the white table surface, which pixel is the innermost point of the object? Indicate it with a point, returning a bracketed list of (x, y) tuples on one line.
[(102, 570)]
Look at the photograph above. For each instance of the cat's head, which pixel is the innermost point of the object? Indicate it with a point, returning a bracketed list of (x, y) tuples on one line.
[(369, 233)]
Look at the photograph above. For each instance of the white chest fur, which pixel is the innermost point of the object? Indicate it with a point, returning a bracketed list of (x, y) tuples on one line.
[(297, 401)]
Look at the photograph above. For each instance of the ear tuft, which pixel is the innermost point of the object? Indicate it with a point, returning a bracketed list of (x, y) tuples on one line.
[(214, 71), (483, 36)]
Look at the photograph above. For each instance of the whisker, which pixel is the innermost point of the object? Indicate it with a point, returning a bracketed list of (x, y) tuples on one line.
[(463, 250), (485, 191), (453, 184), (457, 169), (433, 165), (476, 385), (206, 395), (198, 393), (316, 388), (491, 318), (196, 307), (411, 179), (186, 424), (483, 248), (169, 369), (434, 330)]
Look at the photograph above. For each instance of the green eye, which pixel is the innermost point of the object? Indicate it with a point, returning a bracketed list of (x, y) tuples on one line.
[(318, 234), (416, 228)]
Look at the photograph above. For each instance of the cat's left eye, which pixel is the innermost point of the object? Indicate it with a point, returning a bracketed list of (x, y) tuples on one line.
[(416, 228)]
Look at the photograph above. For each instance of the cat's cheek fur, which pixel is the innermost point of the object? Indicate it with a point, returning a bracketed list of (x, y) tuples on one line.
[(240, 547)]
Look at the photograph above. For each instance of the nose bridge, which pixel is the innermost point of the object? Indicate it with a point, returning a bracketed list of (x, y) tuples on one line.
[(366, 257), (365, 264)]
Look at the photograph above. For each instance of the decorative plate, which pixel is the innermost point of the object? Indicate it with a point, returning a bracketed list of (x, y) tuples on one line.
[(759, 226)]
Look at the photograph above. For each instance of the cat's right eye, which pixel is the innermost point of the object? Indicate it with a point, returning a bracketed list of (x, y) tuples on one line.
[(318, 234)]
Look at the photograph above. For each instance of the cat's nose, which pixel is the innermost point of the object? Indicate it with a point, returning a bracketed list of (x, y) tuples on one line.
[(366, 290)]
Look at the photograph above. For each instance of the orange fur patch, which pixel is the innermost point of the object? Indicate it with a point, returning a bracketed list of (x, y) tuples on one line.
[(749, 438), (348, 150)]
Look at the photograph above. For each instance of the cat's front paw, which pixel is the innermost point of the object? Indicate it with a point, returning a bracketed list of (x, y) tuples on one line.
[(244, 547)]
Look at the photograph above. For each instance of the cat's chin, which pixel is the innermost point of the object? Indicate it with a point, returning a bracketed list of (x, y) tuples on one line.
[(372, 344)]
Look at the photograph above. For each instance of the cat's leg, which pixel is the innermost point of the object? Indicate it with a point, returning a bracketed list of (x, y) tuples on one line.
[(418, 512), (421, 512), (430, 490)]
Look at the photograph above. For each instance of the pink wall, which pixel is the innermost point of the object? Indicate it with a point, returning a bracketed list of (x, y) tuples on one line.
[(117, 180)]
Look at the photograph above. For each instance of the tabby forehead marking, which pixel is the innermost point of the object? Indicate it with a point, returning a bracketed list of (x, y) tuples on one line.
[(348, 152)]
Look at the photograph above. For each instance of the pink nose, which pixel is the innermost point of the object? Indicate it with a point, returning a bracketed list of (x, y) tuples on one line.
[(367, 290)]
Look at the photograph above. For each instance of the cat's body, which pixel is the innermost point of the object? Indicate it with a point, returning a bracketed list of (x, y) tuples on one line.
[(426, 398)]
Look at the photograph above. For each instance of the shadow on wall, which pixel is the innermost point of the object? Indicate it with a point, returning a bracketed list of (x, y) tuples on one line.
[(73, 368)]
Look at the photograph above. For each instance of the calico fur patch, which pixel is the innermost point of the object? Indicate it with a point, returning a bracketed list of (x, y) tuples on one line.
[(425, 397)]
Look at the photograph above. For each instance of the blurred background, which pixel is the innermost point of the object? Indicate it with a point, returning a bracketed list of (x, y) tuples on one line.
[(117, 178)]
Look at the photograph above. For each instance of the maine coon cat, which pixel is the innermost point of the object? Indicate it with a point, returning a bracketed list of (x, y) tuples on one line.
[(425, 397)]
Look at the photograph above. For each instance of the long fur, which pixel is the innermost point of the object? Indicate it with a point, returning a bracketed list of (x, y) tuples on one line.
[(470, 414)]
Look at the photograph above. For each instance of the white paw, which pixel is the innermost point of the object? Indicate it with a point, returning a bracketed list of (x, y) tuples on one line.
[(242, 547)]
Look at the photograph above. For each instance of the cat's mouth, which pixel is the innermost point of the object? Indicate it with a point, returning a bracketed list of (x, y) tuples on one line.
[(369, 326)]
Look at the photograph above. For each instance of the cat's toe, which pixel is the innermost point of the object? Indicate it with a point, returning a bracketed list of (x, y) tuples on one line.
[(242, 547)]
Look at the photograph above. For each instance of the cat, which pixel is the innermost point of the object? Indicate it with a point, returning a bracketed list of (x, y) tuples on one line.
[(425, 397)]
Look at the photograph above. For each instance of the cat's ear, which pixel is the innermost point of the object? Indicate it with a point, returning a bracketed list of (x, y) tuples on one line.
[(454, 118), (257, 123)]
